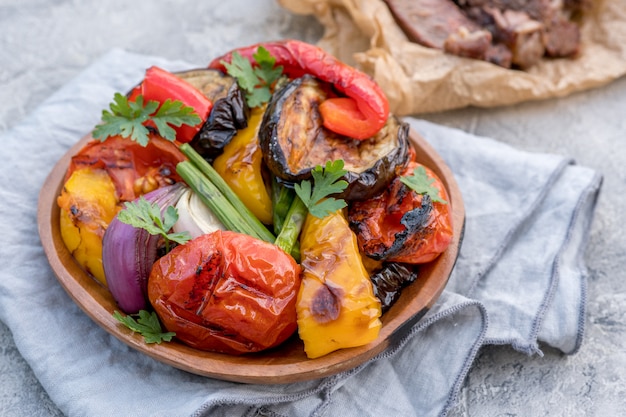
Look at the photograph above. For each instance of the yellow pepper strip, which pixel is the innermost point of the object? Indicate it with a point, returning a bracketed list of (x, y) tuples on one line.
[(336, 305), (88, 203), (240, 166)]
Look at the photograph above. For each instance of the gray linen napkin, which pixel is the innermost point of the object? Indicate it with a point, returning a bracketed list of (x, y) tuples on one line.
[(520, 280)]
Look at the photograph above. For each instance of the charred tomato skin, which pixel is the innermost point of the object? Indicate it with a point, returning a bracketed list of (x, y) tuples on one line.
[(226, 292), (128, 163), (400, 225), (294, 141)]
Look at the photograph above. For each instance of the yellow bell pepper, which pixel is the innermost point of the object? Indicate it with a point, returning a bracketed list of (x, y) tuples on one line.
[(241, 167), (336, 306), (88, 203)]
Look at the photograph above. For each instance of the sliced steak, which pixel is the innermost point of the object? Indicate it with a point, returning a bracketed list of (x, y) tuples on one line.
[(541, 10), (562, 38), (442, 25), (521, 34), (509, 33), (577, 6)]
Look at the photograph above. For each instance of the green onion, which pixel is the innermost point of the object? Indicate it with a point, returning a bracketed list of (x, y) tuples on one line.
[(204, 176), (287, 239), (230, 210), (282, 197), (230, 217)]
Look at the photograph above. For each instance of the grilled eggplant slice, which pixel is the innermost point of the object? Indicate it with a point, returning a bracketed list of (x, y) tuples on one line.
[(230, 110), (214, 84), (389, 281), (294, 141)]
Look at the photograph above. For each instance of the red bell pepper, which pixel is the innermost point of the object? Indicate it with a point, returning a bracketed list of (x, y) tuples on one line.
[(161, 85), (360, 115)]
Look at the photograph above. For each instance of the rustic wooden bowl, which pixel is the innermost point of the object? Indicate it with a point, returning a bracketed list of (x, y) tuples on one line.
[(288, 362)]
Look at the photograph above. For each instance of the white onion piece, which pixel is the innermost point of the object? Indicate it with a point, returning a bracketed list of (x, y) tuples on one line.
[(128, 254), (195, 217)]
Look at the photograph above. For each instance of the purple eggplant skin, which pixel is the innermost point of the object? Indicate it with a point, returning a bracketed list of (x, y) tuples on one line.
[(128, 254), (230, 111), (389, 281), (294, 141)]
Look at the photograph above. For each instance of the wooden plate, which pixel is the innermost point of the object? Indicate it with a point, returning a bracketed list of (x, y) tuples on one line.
[(288, 362)]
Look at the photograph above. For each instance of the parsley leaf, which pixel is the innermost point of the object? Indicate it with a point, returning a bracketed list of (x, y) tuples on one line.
[(173, 113), (266, 70), (326, 182), (255, 80), (129, 118), (242, 70), (147, 324), (421, 183), (145, 215)]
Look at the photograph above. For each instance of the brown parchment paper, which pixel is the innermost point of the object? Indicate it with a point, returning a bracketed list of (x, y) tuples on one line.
[(417, 79)]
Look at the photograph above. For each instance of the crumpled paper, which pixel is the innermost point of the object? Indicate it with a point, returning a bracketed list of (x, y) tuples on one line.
[(417, 79)]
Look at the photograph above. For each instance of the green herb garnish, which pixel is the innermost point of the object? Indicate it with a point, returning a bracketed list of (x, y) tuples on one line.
[(128, 118), (326, 182), (147, 324), (255, 80), (145, 215), (421, 183)]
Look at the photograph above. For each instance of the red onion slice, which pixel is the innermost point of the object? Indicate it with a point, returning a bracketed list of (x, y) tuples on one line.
[(128, 254)]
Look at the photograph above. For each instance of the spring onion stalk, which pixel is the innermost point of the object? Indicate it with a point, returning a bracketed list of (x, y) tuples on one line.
[(204, 182), (287, 239), (203, 173), (214, 199), (282, 197)]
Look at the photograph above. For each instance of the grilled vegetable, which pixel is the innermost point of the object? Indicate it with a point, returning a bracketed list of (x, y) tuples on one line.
[(360, 114), (129, 252), (221, 199), (214, 84), (134, 169), (161, 85), (282, 197), (101, 176), (389, 281), (323, 147), (241, 166), (226, 292), (402, 225), (88, 203), (230, 110), (194, 216), (336, 304), (294, 141)]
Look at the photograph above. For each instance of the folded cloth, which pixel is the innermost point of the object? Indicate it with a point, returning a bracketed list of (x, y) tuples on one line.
[(519, 280)]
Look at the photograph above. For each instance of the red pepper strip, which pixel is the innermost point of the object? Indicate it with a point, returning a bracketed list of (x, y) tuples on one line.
[(160, 85), (136, 91), (360, 115)]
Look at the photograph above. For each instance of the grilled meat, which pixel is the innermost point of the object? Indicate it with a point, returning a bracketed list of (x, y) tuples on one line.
[(509, 33)]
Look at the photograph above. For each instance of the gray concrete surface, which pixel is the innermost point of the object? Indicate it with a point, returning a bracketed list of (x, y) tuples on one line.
[(44, 43)]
